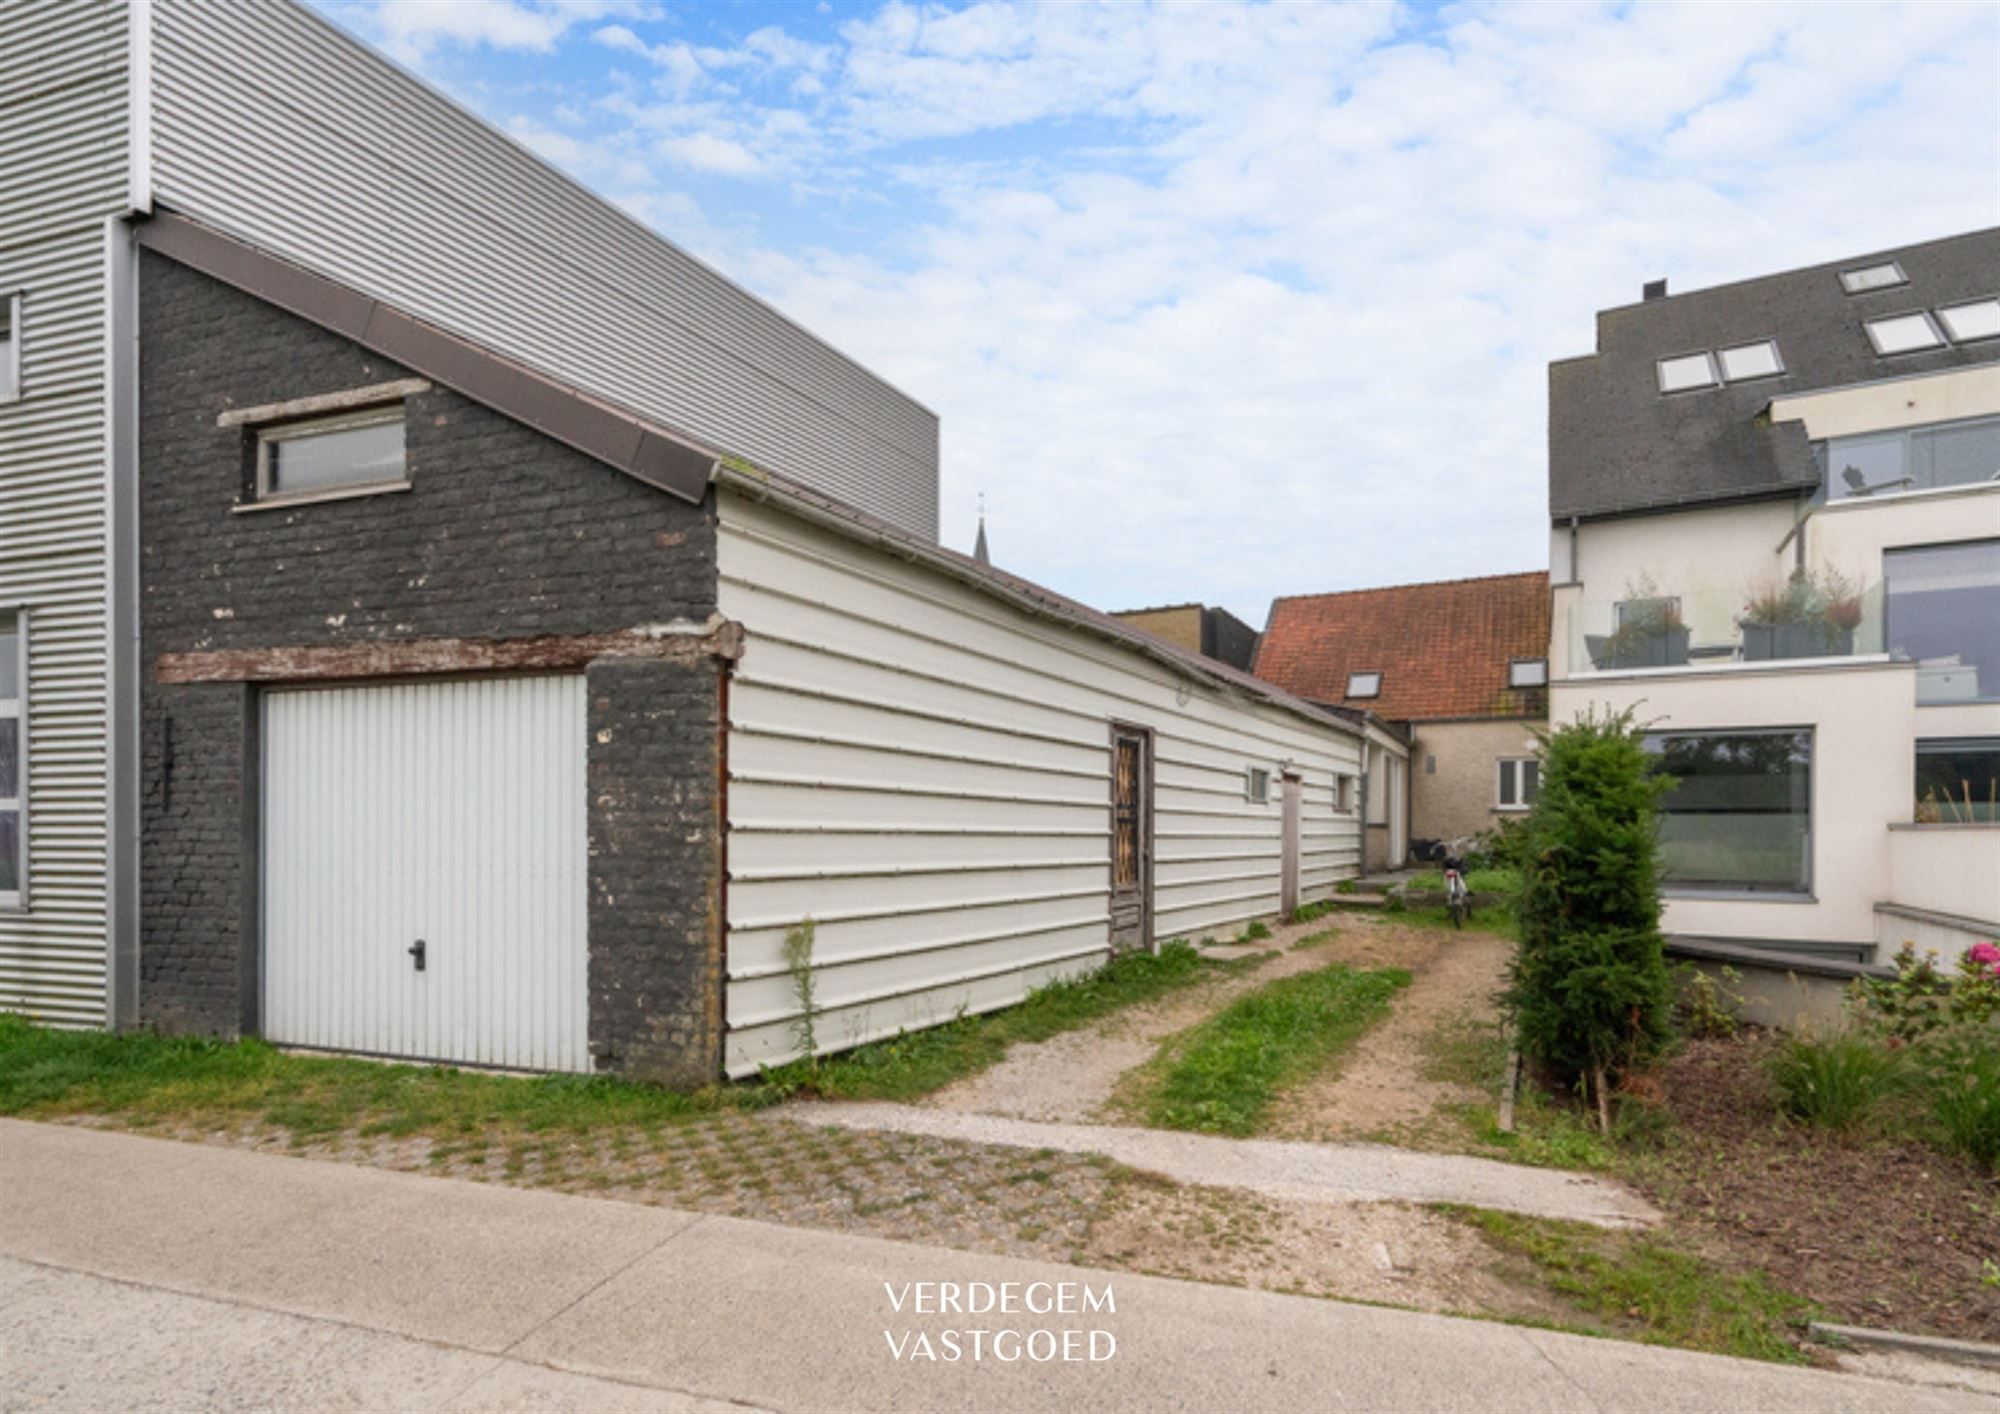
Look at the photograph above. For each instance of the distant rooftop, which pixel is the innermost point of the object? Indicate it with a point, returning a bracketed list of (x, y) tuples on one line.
[(1413, 652)]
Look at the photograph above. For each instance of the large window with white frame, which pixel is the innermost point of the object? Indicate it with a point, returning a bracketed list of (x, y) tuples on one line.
[(1738, 817), (1962, 453), (13, 759)]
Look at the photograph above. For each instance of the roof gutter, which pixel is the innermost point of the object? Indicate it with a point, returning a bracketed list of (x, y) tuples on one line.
[(850, 524)]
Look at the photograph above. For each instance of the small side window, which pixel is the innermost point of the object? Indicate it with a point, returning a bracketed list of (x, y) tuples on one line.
[(1256, 785), (13, 759), (358, 451), (10, 346), (1343, 793), (1520, 783)]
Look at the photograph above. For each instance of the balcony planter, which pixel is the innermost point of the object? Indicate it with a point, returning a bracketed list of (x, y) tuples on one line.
[(1770, 643), (1660, 648)]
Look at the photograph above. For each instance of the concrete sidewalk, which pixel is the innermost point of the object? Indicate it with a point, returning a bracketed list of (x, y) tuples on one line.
[(146, 1272), (1277, 1168)]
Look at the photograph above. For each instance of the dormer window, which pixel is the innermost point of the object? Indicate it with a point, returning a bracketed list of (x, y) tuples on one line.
[(1745, 361), (1364, 684), (1528, 672), (1903, 333), (1967, 322), (1688, 371), (1885, 276)]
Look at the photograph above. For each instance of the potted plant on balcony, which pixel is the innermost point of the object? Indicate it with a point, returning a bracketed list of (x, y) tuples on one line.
[(1812, 615), (1650, 633)]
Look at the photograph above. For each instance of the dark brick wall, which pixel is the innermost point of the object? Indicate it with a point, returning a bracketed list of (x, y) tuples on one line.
[(654, 871), (198, 959), (504, 533)]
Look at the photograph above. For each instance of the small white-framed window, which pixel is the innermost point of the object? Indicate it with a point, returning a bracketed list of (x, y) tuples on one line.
[(1903, 333), (1256, 785), (1520, 782), (1967, 323), (1885, 276), (1746, 361), (1528, 672), (1364, 684), (1685, 372), (13, 758), (353, 452), (11, 303)]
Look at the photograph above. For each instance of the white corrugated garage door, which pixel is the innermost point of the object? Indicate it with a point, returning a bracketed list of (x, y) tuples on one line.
[(451, 813)]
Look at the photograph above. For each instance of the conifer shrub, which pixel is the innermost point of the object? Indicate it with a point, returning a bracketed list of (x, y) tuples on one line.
[(1590, 988)]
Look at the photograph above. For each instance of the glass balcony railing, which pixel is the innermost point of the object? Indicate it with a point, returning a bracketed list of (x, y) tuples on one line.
[(1708, 628)]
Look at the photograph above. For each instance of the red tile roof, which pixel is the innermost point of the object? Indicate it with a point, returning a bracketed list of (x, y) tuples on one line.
[(1442, 649)]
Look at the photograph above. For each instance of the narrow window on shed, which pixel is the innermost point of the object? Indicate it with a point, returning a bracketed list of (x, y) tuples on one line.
[(355, 451), (13, 759), (10, 347), (1520, 783), (1256, 785)]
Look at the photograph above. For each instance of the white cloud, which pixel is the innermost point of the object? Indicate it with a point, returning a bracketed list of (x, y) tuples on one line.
[(410, 29), (1226, 301)]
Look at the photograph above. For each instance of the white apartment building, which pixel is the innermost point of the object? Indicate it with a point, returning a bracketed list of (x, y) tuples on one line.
[(1775, 537)]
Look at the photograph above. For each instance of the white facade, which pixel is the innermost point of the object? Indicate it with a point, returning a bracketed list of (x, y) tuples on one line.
[(923, 767), (1878, 876)]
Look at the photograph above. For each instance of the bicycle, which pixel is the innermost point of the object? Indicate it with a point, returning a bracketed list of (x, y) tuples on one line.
[(1457, 898)]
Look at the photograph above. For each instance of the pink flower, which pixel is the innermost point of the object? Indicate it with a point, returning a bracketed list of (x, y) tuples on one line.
[(1985, 952)]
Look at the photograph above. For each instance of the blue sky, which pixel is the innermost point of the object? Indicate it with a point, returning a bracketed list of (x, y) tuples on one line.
[(1228, 301)]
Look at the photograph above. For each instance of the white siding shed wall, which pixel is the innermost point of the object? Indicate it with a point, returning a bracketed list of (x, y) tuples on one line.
[(62, 174), (273, 125), (924, 770)]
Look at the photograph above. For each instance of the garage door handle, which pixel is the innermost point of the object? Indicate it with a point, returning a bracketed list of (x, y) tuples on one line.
[(416, 950)]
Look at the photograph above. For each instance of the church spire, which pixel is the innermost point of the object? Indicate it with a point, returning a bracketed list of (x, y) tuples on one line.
[(979, 545)]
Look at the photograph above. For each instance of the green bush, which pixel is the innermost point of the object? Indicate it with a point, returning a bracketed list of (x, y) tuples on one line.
[(1962, 1085), (1590, 987), (1837, 1081)]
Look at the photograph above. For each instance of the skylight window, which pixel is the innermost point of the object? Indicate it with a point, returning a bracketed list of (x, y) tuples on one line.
[(1758, 360), (1677, 375), (1873, 277), (1966, 322), (1903, 333), (1364, 684), (1528, 672)]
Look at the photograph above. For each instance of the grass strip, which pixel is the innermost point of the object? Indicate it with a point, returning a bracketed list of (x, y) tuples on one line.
[(1641, 1287), (144, 1078), (917, 1063), (1221, 1076)]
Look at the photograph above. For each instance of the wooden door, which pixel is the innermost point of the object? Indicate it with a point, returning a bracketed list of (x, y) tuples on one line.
[(1131, 838)]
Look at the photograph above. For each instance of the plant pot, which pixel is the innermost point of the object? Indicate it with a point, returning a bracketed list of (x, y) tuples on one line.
[(1666, 648), (1770, 643)]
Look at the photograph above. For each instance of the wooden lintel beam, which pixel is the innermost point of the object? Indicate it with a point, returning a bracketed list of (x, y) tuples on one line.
[(418, 657)]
